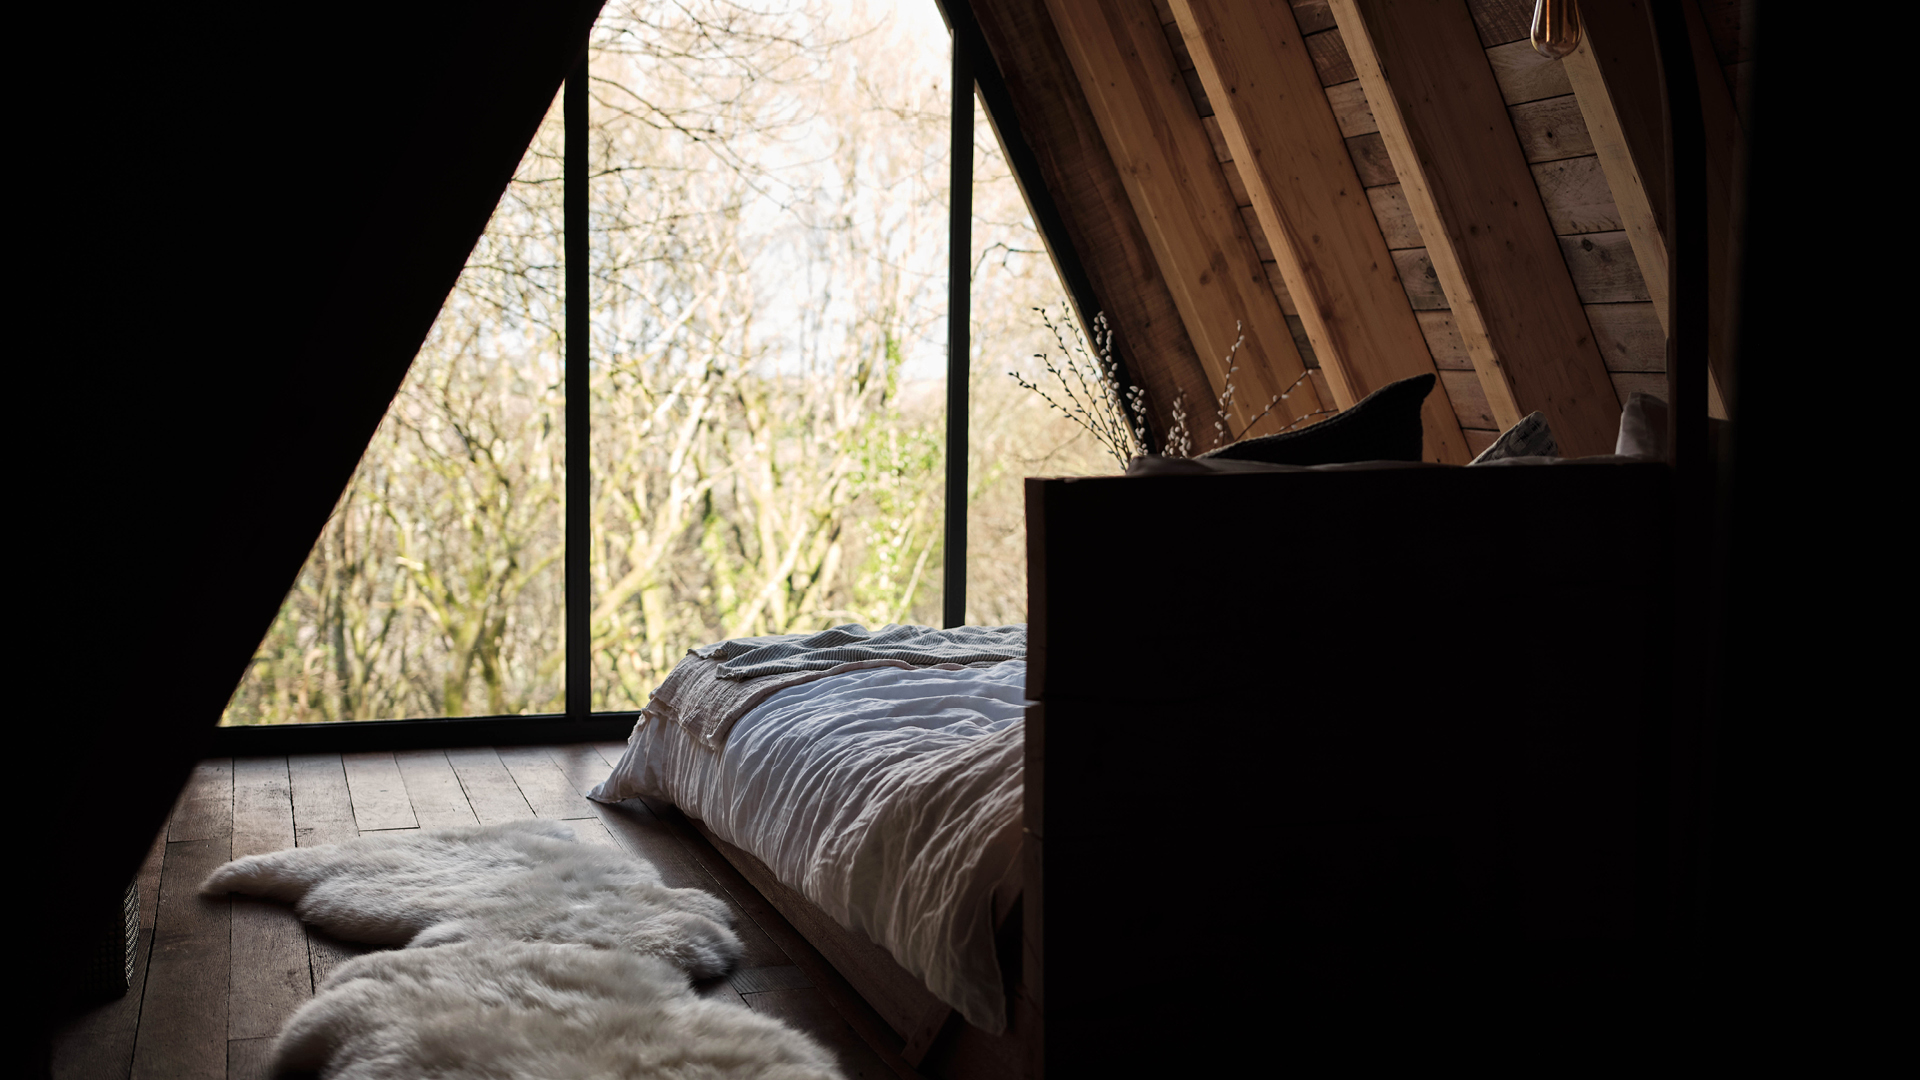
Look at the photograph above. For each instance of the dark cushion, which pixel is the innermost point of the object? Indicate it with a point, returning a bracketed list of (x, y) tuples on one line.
[(1383, 426)]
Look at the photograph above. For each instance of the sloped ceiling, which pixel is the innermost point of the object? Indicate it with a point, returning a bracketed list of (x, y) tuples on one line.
[(1252, 164)]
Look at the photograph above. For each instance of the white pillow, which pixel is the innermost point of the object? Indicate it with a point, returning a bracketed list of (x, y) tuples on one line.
[(1530, 438), (1643, 428)]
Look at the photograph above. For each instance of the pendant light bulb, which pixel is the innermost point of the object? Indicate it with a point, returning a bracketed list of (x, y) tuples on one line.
[(1556, 27)]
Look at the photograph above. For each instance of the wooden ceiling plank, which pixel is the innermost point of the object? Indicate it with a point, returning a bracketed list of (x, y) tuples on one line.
[(1524, 75), (1180, 196), (1370, 160), (1311, 15), (1093, 204), (1492, 248), (1350, 108), (1501, 21), (1576, 196), (1311, 206), (1616, 79)]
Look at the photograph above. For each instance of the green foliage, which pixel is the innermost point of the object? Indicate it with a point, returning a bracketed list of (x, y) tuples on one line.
[(899, 473)]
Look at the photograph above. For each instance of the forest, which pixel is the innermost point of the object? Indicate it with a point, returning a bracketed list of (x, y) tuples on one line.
[(768, 232)]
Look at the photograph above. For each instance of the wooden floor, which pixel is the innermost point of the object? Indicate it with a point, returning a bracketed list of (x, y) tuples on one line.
[(216, 979)]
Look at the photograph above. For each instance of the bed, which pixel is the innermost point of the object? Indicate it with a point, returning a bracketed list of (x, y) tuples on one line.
[(884, 794), (1318, 762)]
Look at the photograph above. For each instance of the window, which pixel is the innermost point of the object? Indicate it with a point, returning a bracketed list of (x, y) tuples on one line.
[(742, 428)]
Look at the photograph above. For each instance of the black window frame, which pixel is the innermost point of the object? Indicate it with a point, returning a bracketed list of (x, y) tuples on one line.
[(975, 73)]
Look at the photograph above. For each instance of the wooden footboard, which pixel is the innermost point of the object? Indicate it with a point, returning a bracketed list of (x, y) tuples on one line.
[(1388, 791), (935, 1040)]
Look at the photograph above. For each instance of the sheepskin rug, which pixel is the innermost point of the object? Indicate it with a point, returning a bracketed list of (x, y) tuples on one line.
[(556, 1012), (526, 955)]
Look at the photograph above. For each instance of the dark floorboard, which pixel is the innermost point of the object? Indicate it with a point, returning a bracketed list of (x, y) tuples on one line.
[(183, 1013), (809, 1010), (100, 1043)]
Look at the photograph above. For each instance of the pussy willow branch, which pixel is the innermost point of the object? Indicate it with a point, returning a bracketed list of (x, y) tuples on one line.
[(1179, 438), (1116, 418), (1089, 389)]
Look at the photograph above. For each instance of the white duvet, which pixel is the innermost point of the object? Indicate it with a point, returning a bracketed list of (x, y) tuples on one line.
[(890, 797)]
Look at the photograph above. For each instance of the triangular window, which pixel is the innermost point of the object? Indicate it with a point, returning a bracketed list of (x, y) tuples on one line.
[(764, 369)]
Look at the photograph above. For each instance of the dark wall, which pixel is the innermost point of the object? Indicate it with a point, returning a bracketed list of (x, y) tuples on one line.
[(247, 217), (1798, 891)]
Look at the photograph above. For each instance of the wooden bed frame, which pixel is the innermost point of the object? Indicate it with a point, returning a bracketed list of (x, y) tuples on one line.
[(1327, 779), (1295, 784), (930, 1036)]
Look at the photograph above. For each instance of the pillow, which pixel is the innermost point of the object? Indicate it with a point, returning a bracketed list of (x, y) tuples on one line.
[(1383, 426), (1643, 427), (1531, 437)]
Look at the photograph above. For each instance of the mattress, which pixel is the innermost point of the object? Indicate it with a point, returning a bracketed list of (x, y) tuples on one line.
[(890, 797)]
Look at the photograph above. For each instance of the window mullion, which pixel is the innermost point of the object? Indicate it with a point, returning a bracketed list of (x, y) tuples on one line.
[(578, 526), (959, 316)]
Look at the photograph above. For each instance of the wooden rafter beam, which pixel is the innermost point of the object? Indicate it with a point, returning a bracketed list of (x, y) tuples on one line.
[(1092, 202), (1133, 85), (1616, 78), (1466, 181), (1310, 203)]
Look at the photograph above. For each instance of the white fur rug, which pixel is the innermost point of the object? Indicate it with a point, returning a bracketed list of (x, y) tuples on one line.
[(528, 955), (501, 1009)]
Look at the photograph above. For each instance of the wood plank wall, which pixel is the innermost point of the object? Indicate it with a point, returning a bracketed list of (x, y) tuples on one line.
[(1572, 187), (1098, 217), (1309, 202), (1221, 282), (1244, 201)]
